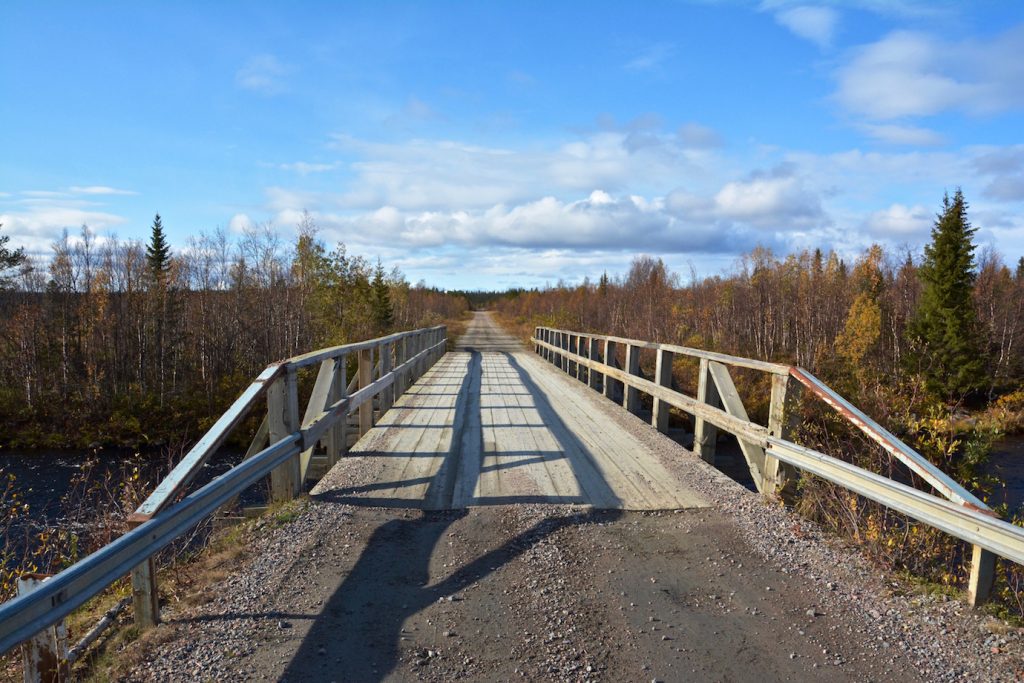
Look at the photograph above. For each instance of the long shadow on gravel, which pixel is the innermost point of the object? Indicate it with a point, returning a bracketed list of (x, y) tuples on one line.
[(356, 637)]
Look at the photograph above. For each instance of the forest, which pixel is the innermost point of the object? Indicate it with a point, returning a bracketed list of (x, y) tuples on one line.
[(119, 342)]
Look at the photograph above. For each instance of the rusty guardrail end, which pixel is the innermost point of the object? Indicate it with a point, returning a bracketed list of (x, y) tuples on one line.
[(138, 519)]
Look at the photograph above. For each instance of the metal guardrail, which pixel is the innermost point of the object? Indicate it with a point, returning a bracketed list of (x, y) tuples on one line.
[(402, 359), (768, 453)]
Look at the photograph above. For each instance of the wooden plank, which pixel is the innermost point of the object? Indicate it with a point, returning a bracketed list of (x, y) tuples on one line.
[(752, 452)]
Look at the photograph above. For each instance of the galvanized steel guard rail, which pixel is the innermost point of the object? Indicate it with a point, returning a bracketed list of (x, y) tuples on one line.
[(400, 360), (593, 358)]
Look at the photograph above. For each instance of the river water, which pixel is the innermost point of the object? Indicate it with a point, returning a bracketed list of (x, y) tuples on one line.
[(44, 477), (1006, 462)]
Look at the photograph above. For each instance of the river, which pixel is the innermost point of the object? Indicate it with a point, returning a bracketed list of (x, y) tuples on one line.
[(44, 477), (1006, 462)]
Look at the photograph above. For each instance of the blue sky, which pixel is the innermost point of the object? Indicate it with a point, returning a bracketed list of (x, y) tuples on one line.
[(499, 144)]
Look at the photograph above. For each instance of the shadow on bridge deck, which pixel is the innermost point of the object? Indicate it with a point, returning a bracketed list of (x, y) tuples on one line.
[(499, 428)]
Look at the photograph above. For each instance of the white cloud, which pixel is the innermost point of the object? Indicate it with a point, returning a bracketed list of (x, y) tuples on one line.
[(816, 24), (262, 74), (914, 74), (898, 134), (98, 190), (240, 223), (305, 168), (900, 222), (651, 58), (777, 199)]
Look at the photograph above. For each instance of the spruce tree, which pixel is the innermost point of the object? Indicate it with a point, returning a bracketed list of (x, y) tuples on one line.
[(383, 313), (8, 259), (158, 252), (944, 331)]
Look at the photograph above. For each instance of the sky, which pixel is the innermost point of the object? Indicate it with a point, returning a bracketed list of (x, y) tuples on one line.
[(498, 144)]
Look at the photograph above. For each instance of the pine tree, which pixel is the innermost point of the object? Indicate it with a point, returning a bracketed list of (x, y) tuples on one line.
[(8, 259), (944, 332), (383, 312), (158, 253)]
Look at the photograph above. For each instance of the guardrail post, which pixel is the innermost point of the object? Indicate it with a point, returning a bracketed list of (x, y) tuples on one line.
[(45, 656), (336, 435), (563, 345), (631, 395), (610, 353), (781, 422), (593, 376), (365, 380), (983, 572), (705, 434), (663, 377), (283, 420), (145, 593)]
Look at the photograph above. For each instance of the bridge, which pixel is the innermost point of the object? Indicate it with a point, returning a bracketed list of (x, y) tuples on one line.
[(493, 512)]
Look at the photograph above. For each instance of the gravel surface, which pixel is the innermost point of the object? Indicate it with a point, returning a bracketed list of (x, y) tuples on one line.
[(739, 591)]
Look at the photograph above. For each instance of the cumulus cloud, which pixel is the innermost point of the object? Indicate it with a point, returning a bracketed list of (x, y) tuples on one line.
[(899, 221), (909, 74), (240, 223), (816, 24), (263, 74), (776, 199)]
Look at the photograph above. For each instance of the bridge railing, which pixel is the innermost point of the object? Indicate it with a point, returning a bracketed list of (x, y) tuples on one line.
[(771, 457), (283, 448)]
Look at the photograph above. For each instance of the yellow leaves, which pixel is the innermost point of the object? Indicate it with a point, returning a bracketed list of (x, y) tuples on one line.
[(862, 331)]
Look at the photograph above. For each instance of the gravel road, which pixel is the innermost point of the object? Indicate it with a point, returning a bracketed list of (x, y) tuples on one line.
[(741, 590)]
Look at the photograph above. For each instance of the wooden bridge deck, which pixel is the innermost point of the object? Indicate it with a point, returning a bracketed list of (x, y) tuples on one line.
[(491, 424)]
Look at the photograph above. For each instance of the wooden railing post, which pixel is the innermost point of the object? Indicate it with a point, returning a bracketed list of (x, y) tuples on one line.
[(337, 437), (610, 355), (387, 397), (365, 380), (631, 395), (581, 350), (593, 376), (983, 572), (283, 420), (705, 434), (782, 416), (45, 656), (663, 377), (563, 359)]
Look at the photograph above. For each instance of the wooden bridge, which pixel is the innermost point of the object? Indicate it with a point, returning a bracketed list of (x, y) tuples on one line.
[(489, 423)]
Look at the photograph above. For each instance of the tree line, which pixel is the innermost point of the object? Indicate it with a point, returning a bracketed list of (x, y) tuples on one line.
[(116, 341), (951, 318)]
